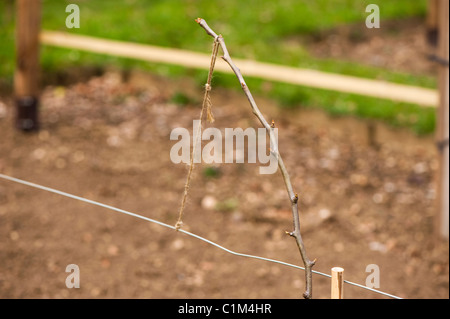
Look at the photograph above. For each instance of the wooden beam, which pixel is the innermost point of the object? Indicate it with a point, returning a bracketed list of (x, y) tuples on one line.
[(442, 128), (432, 22), (26, 77), (303, 77)]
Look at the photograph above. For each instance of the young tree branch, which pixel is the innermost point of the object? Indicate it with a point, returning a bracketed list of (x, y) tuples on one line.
[(293, 197)]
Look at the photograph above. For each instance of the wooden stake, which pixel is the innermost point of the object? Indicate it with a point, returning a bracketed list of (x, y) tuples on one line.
[(432, 22), (337, 283), (442, 128), (26, 78)]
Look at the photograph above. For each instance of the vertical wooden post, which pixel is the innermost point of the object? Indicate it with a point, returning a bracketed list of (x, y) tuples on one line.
[(442, 129), (432, 22), (337, 283), (26, 78)]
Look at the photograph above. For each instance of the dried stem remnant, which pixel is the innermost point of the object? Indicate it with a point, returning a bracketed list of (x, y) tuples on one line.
[(206, 105), (293, 197)]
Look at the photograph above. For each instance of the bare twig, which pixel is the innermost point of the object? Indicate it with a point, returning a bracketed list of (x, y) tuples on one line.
[(293, 197)]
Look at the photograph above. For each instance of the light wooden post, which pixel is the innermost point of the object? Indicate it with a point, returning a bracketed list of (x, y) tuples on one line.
[(442, 129), (337, 283), (26, 78)]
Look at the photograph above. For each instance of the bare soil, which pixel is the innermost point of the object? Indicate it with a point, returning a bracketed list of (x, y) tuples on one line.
[(398, 45), (366, 197)]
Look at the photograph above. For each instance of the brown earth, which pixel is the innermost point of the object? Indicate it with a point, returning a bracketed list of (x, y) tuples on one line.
[(398, 45), (365, 198)]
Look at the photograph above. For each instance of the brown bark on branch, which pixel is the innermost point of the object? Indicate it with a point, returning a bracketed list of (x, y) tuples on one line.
[(293, 197)]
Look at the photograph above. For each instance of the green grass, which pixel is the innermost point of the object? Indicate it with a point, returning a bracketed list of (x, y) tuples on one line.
[(253, 29)]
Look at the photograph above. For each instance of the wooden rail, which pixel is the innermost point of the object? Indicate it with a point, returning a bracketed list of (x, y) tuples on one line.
[(311, 78)]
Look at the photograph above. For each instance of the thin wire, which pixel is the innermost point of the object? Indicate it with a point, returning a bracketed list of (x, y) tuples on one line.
[(371, 289), (55, 191)]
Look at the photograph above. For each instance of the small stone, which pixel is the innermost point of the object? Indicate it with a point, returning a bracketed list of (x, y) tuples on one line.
[(3, 110), (377, 246), (359, 179), (87, 237), (38, 154), (324, 214), (333, 153), (44, 135), (338, 247), (390, 187), (114, 141), (237, 217), (113, 250), (378, 198), (437, 269), (14, 235), (177, 244), (355, 209), (60, 163), (209, 202), (95, 292), (105, 263), (420, 168), (391, 162), (297, 284), (78, 157)]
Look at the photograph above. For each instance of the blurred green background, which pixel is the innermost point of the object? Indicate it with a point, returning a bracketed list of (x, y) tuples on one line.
[(257, 30)]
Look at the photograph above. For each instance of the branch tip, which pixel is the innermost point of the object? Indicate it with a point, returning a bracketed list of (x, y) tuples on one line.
[(198, 20)]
